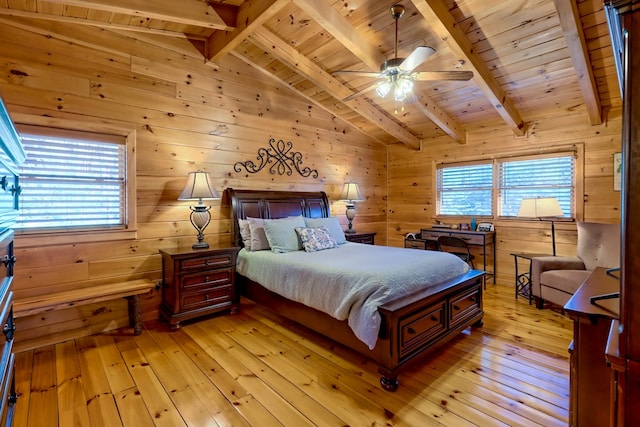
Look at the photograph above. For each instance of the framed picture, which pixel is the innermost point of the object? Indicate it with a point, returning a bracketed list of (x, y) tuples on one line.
[(617, 171)]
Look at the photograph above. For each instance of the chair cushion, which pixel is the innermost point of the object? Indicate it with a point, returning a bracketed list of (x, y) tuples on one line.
[(598, 244), (564, 280)]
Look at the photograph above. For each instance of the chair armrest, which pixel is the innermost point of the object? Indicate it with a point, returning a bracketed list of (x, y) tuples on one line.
[(545, 263)]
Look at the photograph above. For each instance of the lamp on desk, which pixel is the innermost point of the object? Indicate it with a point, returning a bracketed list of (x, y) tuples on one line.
[(545, 209), (350, 194), (199, 188)]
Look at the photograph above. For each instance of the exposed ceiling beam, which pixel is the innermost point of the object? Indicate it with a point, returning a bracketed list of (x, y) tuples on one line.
[(342, 30), (574, 36), (83, 21), (189, 12), (282, 82), (252, 14), (303, 65), (437, 15)]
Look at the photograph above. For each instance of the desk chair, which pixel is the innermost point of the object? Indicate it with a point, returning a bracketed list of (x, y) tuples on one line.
[(456, 246)]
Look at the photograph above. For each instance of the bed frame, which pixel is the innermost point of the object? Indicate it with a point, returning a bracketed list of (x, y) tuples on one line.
[(412, 326)]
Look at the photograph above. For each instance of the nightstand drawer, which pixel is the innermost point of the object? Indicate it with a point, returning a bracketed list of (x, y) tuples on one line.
[(207, 299), (211, 261), (210, 279)]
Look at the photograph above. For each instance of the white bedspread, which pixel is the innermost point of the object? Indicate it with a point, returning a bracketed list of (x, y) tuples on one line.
[(350, 281)]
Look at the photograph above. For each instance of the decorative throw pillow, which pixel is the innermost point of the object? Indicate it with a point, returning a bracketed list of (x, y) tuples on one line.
[(330, 224), (259, 240), (245, 233), (281, 233), (316, 238)]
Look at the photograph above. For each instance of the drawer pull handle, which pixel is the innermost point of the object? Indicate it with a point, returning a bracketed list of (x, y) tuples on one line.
[(455, 307), (9, 330), (411, 330), (434, 318), (8, 260)]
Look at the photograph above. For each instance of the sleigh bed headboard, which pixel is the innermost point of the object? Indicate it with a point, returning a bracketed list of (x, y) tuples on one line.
[(274, 204)]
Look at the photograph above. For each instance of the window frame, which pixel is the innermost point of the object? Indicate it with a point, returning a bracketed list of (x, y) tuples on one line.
[(577, 151), (32, 237)]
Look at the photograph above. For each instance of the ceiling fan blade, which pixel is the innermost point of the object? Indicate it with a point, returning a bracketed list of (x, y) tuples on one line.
[(417, 57), (357, 73), (361, 92), (443, 75)]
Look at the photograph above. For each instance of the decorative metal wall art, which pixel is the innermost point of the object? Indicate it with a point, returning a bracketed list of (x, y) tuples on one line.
[(281, 158)]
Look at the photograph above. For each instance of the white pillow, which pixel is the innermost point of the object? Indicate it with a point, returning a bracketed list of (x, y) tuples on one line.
[(259, 240), (316, 238), (245, 233), (281, 233), (330, 224)]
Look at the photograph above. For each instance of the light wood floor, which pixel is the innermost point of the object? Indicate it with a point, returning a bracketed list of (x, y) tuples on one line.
[(256, 369)]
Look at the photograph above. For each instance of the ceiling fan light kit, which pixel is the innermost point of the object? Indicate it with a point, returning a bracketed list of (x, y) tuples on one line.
[(398, 73)]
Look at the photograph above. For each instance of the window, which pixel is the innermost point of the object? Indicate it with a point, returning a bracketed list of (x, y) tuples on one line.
[(496, 187), (465, 190), (74, 181)]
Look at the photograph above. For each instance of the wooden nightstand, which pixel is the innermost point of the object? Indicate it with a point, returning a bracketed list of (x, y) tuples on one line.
[(197, 282), (366, 238)]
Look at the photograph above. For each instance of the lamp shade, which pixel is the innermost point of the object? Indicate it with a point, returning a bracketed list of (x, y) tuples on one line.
[(540, 207), (198, 187), (350, 192)]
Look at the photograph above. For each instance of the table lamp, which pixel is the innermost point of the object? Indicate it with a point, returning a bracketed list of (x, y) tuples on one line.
[(350, 194), (198, 187)]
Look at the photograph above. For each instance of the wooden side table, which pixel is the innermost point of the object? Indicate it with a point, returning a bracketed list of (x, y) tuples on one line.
[(523, 280), (197, 282), (366, 238)]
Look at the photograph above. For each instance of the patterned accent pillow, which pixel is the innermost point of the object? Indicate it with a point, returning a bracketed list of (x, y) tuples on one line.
[(316, 238), (330, 224)]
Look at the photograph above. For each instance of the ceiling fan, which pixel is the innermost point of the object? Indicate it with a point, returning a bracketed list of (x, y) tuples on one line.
[(397, 74)]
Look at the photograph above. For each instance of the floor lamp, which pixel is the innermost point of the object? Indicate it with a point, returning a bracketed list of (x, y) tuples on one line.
[(199, 188), (545, 209), (350, 194)]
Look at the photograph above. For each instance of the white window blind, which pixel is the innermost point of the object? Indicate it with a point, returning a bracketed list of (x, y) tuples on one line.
[(71, 181), (530, 178), (465, 190)]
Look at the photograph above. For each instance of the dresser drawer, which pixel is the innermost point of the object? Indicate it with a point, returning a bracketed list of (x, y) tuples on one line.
[(433, 235), (465, 305), (471, 239), (209, 279), (210, 298), (419, 328), (210, 261)]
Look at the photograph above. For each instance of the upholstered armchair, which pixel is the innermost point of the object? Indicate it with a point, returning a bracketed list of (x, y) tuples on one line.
[(556, 278)]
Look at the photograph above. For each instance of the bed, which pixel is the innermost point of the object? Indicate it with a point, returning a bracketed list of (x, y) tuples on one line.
[(411, 326)]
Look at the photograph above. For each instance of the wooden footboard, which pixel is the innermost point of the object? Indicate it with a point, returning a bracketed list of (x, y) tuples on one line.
[(412, 327)]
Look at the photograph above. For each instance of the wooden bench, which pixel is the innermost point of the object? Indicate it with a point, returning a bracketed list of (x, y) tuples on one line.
[(130, 290)]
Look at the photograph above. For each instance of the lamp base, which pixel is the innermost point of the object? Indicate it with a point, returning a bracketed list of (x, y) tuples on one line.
[(349, 231), (200, 245)]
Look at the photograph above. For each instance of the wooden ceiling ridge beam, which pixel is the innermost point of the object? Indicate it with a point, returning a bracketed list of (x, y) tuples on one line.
[(83, 21), (342, 30), (438, 17), (189, 12), (252, 14), (304, 66), (576, 42), (284, 83)]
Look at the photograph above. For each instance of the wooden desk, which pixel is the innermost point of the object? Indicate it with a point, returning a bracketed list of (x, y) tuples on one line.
[(473, 238), (590, 388)]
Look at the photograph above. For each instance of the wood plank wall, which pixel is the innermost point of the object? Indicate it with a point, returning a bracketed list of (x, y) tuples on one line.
[(412, 202), (186, 116)]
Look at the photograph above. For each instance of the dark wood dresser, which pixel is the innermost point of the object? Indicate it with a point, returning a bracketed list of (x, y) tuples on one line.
[(197, 282), (11, 156), (366, 238)]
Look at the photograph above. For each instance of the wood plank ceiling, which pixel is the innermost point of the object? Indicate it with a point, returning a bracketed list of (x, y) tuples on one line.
[(529, 58)]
